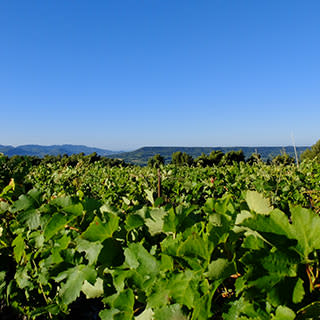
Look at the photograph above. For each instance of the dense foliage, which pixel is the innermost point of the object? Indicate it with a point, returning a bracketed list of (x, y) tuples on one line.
[(142, 155), (156, 161), (312, 153), (238, 241)]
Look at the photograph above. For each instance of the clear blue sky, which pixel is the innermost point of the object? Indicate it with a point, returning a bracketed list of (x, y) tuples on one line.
[(121, 74)]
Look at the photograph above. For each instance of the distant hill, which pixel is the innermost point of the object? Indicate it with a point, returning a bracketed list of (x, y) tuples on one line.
[(142, 155), (40, 151)]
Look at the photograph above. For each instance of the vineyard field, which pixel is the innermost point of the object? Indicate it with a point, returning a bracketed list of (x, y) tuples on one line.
[(95, 241)]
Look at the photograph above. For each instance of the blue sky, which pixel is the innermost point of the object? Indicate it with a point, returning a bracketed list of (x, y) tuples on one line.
[(121, 74)]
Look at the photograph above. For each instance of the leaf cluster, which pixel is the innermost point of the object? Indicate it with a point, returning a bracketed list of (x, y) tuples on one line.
[(228, 258)]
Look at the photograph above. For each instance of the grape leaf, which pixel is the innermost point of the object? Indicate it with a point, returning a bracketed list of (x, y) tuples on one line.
[(99, 231), (173, 312), (284, 313), (306, 229), (70, 290), (155, 222), (57, 222), (92, 249), (137, 257), (298, 292), (257, 202), (93, 291), (18, 247)]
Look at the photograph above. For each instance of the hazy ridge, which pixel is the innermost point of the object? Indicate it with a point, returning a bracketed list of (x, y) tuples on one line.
[(41, 151)]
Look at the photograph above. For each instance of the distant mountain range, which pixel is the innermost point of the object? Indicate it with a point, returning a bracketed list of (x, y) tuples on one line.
[(141, 156), (40, 151)]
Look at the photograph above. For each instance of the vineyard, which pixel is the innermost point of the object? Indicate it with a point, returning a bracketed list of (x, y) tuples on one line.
[(97, 240)]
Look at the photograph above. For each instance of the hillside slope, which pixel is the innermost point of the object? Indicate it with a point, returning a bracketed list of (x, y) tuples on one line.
[(40, 151)]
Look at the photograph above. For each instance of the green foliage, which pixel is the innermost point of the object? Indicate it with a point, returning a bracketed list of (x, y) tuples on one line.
[(312, 153), (283, 159), (181, 159), (233, 156), (156, 161), (222, 242), (142, 155), (254, 158), (214, 158)]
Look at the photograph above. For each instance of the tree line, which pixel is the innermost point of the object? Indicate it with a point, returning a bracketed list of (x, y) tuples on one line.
[(215, 158), (218, 157)]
